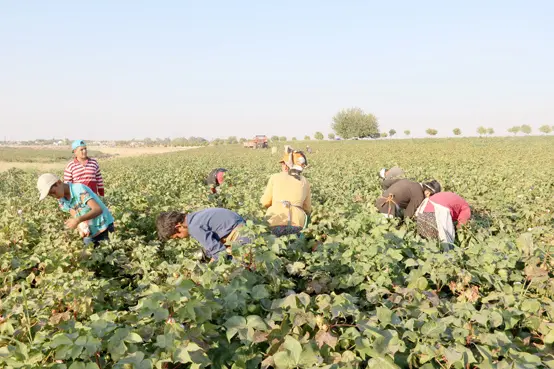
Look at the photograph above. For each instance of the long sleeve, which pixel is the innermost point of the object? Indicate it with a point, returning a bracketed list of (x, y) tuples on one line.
[(267, 197), (414, 203), (307, 206), (68, 172), (209, 241), (465, 214), (99, 181)]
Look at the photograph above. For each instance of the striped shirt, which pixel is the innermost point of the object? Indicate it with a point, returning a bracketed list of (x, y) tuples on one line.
[(88, 174)]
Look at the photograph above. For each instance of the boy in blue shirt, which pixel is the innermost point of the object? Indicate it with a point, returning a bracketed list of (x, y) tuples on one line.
[(213, 228), (83, 204)]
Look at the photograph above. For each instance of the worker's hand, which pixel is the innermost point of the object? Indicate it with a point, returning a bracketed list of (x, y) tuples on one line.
[(72, 223)]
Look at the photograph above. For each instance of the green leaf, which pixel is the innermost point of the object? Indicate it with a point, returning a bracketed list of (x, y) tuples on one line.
[(495, 319), (531, 306), (283, 360), (453, 356), (549, 337), (133, 338), (296, 267), (294, 347), (381, 363), (255, 322), (259, 292), (385, 315), (77, 365), (433, 329), (233, 325), (91, 366), (59, 340)]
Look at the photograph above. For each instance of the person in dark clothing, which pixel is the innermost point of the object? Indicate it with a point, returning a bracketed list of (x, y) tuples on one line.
[(402, 196), (389, 176), (216, 178), (213, 228)]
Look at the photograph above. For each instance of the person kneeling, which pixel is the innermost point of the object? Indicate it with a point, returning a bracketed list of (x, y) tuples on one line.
[(438, 212), (90, 215), (213, 228)]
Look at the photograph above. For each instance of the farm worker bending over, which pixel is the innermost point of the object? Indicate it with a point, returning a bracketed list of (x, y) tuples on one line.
[(215, 178), (438, 212), (83, 169), (389, 176), (402, 195), (213, 228), (288, 196), (83, 204)]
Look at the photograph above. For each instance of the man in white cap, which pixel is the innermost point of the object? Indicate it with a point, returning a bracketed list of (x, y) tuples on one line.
[(82, 203)]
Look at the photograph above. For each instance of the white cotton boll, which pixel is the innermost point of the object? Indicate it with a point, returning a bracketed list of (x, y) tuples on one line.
[(20, 212), (529, 229)]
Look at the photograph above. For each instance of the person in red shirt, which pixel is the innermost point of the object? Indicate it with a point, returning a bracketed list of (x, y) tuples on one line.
[(215, 178), (428, 222), (83, 169)]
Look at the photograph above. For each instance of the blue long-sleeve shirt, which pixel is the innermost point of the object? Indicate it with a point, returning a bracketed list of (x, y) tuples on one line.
[(209, 226)]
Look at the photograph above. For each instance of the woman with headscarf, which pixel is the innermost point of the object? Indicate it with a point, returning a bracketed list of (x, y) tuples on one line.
[(389, 176), (287, 196), (439, 211)]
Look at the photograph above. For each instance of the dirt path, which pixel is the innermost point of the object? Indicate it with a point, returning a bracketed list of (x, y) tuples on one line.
[(117, 152)]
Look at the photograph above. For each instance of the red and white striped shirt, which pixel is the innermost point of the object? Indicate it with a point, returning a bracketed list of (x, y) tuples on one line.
[(88, 174)]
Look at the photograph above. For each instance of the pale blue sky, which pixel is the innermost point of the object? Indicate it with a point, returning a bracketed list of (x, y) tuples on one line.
[(124, 69)]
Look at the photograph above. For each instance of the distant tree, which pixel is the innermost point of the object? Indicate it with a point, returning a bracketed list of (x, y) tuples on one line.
[(457, 131), (515, 130), (282, 138), (274, 138), (242, 139), (318, 136), (148, 141), (384, 134), (526, 129), (481, 131), (545, 129), (218, 141), (407, 132), (232, 140), (392, 132), (331, 136), (294, 138), (354, 122), (431, 131), (490, 131), (307, 138)]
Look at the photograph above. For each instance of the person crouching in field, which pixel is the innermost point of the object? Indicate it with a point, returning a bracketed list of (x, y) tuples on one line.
[(389, 176), (400, 199), (216, 178), (83, 169), (88, 212), (438, 212), (287, 196), (213, 228)]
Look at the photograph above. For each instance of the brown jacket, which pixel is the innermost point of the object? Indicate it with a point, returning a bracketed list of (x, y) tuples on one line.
[(407, 194)]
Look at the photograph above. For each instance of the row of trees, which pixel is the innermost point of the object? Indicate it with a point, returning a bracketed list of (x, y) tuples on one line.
[(347, 124), (354, 122)]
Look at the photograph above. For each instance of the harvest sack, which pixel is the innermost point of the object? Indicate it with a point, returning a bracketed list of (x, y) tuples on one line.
[(445, 226)]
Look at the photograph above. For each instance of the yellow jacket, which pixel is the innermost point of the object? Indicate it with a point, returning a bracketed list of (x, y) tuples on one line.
[(284, 187)]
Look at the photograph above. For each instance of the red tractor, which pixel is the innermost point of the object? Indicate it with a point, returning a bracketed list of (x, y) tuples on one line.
[(259, 142)]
